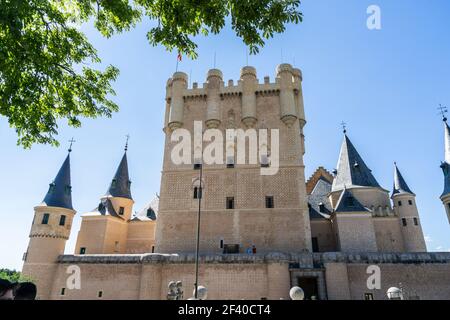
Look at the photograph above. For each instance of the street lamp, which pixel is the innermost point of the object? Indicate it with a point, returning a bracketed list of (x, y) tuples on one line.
[(395, 293), (202, 293), (297, 293)]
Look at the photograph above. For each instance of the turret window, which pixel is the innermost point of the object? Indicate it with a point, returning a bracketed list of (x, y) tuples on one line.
[(100, 294), (269, 202), (82, 250), (62, 220), (230, 202), (416, 222), (63, 291), (400, 203), (45, 218), (410, 202), (197, 193), (121, 211), (404, 223)]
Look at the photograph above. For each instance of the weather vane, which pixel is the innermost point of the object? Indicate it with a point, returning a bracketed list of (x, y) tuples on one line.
[(344, 127), (71, 143), (126, 143), (442, 111)]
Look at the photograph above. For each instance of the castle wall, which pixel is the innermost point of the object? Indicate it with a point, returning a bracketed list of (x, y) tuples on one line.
[(388, 234), (102, 234), (355, 232), (141, 236), (422, 275), (323, 231)]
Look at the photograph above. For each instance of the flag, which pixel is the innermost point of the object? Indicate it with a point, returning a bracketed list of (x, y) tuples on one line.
[(179, 56)]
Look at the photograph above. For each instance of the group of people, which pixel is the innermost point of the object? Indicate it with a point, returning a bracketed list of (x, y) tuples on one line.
[(17, 290)]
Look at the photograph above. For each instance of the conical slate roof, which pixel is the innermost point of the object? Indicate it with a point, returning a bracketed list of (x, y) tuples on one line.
[(400, 185), (351, 169), (60, 191), (121, 184)]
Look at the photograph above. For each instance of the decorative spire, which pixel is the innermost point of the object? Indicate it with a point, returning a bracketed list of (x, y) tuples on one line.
[(60, 191), (351, 169), (400, 185), (126, 143), (121, 184), (344, 127)]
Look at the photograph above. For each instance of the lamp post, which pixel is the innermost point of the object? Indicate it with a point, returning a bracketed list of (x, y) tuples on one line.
[(197, 248)]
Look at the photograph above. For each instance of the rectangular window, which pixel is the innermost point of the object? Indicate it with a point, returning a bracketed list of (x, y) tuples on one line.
[(197, 166), (24, 258), (315, 244), (269, 202), (63, 291), (197, 193), (45, 218), (400, 203), (100, 294), (368, 296), (62, 220), (230, 202), (221, 245), (153, 249), (404, 222), (230, 162), (410, 202), (82, 250), (121, 211), (416, 222)]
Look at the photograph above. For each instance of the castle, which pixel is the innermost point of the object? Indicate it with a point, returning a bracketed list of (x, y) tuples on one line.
[(260, 234)]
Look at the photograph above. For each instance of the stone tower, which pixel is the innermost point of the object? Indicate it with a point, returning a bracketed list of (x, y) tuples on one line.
[(49, 232), (240, 207), (105, 230), (405, 207), (445, 166)]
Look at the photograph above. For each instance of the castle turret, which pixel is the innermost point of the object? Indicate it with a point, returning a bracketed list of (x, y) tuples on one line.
[(249, 85), (445, 166), (366, 221), (406, 209), (213, 85), (177, 86), (105, 229), (49, 232), (288, 108), (119, 191)]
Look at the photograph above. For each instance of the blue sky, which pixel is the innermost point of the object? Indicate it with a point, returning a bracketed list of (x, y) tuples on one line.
[(385, 84)]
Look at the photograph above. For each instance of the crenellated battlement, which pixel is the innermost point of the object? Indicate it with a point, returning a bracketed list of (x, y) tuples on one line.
[(287, 86), (232, 87)]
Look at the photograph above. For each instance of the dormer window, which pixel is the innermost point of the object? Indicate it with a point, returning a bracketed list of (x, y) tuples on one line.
[(350, 202), (121, 211), (321, 207), (113, 183), (52, 187), (68, 190)]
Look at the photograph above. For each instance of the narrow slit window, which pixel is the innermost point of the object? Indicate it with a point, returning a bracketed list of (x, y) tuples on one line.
[(230, 202), (269, 202)]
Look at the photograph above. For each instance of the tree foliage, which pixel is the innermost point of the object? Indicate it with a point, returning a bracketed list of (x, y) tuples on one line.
[(12, 276), (47, 65)]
